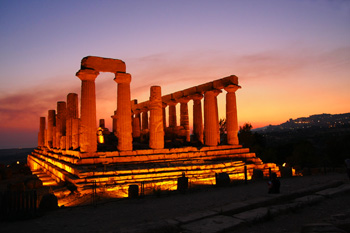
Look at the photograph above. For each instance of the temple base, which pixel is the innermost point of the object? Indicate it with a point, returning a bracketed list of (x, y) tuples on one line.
[(151, 169)]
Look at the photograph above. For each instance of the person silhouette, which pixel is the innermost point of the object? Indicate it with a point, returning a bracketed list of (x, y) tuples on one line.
[(274, 184)]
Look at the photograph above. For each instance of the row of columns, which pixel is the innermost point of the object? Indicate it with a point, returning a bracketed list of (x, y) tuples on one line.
[(66, 131), (207, 133)]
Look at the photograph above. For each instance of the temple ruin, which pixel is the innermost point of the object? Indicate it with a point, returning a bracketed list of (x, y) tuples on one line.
[(146, 147)]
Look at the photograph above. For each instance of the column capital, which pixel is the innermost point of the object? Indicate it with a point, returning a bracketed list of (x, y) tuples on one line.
[(136, 111), (197, 96), (164, 105), (184, 100), (144, 109), (121, 77), (172, 102), (232, 88), (214, 92), (87, 75)]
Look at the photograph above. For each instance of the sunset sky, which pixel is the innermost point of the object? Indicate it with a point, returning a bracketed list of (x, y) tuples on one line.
[(292, 57)]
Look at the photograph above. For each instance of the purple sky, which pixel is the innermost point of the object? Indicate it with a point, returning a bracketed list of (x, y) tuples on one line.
[(292, 57)]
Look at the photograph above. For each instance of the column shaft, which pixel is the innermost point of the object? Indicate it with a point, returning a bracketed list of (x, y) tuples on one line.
[(124, 130), (60, 122), (231, 115), (156, 131), (210, 118), (51, 122), (197, 117), (184, 119), (88, 129), (172, 114), (72, 113), (41, 135)]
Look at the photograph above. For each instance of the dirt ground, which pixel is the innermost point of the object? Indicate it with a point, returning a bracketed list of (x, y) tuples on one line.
[(113, 216)]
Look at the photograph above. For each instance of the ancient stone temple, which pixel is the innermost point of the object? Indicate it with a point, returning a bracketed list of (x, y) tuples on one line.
[(147, 146)]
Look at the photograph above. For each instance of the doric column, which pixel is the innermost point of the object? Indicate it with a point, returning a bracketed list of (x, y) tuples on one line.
[(88, 129), (172, 113), (60, 122), (41, 135), (144, 116), (124, 130), (136, 124), (51, 122), (114, 123), (210, 118), (184, 120), (156, 131), (164, 115), (75, 133), (72, 113), (231, 115), (54, 136), (197, 117)]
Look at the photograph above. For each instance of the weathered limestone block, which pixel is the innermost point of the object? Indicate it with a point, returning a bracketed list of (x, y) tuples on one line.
[(156, 137), (231, 115), (51, 122), (102, 64), (41, 136), (88, 129), (124, 130)]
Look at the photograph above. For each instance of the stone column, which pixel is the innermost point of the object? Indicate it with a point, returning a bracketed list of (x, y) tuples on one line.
[(136, 126), (124, 130), (41, 135), (172, 114), (88, 129), (51, 122), (156, 131), (144, 116), (54, 136), (231, 115), (60, 122), (72, 113), (210, 118), (184, 120), (197, 117), (75, 133), (164, 115), (114, 123)]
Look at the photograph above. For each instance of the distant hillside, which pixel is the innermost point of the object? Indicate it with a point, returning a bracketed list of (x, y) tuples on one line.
[(320, 121)]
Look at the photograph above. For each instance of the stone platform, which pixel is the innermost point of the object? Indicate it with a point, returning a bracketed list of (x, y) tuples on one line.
[(150, 169)]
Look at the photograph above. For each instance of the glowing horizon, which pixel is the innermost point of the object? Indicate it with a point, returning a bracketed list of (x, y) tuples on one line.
[(292, 58)]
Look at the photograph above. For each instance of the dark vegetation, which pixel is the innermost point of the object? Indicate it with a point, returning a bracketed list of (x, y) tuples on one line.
[(308, 147)]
